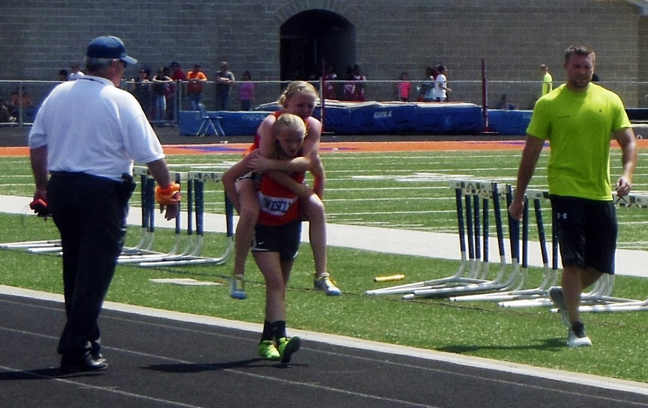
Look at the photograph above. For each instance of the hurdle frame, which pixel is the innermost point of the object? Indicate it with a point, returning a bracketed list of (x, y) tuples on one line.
[(599, 298), (142, 253), (550, 272), (501, 282), (196, 181), (467, 272), (144, 245), (143, 250)]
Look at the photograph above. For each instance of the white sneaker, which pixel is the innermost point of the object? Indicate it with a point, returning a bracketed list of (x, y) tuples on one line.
[(325, 283), (576, 336)]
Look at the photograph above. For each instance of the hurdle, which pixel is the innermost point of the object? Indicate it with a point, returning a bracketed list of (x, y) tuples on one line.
[(146, 239), (196, 183), (550, 272), (142, 253), (629, 201), (143, 246), (143, 249), (501, 282), (615, 304), (599, 298), (470, 264), (147, 199), (26, 245)]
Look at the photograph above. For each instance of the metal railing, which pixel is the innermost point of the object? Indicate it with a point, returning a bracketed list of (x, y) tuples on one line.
[(21, 98)]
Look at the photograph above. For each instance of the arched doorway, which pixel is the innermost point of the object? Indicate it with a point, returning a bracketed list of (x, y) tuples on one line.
[(313, 36)]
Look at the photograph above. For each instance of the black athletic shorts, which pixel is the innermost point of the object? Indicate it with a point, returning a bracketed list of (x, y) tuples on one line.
[(284, 239), (587, 232)]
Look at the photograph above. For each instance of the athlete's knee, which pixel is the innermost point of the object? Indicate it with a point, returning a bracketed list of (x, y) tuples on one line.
[(314, 208), (275, 285), (249, 214)]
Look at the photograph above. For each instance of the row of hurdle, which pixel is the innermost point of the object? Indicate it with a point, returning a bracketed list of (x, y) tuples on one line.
[(478, 203), (189, 242)]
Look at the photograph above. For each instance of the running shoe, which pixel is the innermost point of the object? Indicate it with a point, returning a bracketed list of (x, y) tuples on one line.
[(576, 336), (287, 346), (326, 284), (268, 350), (237, 287), (558, 299)]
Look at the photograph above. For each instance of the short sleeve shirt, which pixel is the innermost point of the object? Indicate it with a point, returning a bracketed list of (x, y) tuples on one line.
[(579, 128), (90, 126)]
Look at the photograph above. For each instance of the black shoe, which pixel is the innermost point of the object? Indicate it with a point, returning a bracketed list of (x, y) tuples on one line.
[(74, 363)]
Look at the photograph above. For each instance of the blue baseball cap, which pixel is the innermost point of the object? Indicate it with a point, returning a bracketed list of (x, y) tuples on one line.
[(109, 47)]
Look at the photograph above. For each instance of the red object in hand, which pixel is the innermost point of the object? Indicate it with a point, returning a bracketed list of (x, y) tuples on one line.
[(168, 196), (40, 207)]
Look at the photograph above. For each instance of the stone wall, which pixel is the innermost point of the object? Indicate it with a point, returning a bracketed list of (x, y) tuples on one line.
[(40, 37)]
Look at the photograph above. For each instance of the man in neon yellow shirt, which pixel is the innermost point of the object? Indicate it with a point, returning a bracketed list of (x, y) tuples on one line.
[(579, 119), (547, 80)]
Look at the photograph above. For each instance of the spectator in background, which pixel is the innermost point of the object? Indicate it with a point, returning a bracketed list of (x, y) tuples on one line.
[(178, 76), (63, 75), (196, 80), (404, 85), (224, 81), (359, 84), (141, 90), (21, 106), (426, 90), (330, 91), (169, 92), (76, 72), (441, 84), (348, 89), (547, 80), (246, 92), (160, 85), (5, 115)]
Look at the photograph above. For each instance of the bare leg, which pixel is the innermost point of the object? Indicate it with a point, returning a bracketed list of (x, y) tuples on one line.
[(276, 275), (574, 280), (249, 213), (313, 209)]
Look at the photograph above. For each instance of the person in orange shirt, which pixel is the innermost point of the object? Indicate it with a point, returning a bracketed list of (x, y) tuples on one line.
[(196, 79)]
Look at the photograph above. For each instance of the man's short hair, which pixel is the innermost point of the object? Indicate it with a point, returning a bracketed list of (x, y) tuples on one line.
[(579, 50), (97, 65)]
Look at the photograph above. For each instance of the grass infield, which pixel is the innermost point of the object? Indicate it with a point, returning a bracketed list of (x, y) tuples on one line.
[(404, 190)]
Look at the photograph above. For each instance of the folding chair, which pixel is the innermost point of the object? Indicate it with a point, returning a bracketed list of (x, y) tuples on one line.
[(209, 122)]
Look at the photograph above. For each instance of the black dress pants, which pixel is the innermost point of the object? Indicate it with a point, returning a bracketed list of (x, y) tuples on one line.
[(90, 213)]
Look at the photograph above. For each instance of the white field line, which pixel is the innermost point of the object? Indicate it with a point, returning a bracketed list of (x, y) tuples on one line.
[(344, 214), (374, 199), (437, 155), (512, 170)]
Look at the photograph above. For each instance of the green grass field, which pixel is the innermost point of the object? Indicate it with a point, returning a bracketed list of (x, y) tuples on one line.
[(392, 190)]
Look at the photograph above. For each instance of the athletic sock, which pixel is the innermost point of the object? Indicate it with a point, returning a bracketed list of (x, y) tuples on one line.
[(267, 331), (279, 329), (579, 329)]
